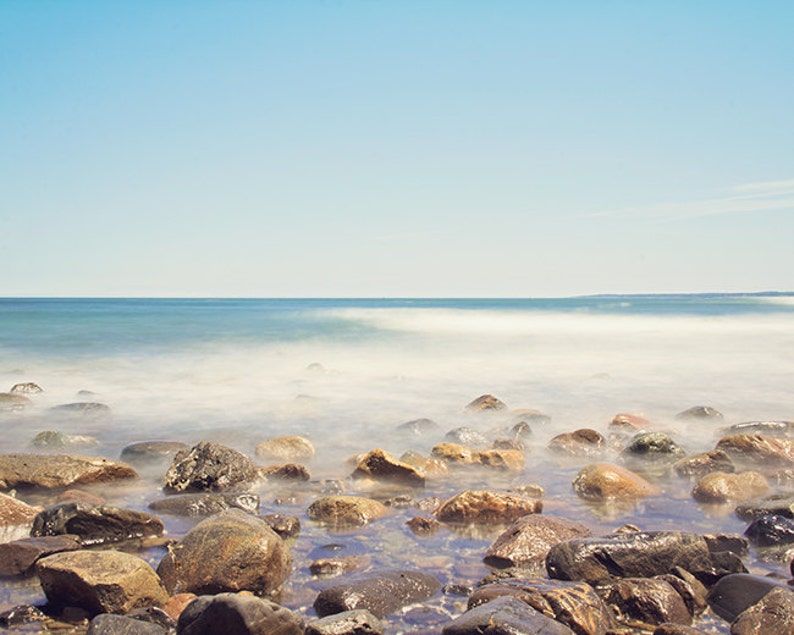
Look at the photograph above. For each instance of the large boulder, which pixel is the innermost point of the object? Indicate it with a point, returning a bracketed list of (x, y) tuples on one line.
[(96, 524), (237, 614), (346, 511), (381, 593), (382, 466), (505, 616), (526, 542), (209, 467), (607, 481), (100, 581), (231, 551), (486, 506), (58, 470)]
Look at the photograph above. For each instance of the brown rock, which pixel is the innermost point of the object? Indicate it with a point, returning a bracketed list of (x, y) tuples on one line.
[(237, 614), (629, 423), (719, 487), (288, 472), (177, 603), (642, 601), (430, 467), (454, 453), (607, 481), (330, 567), (100, 581), (507, 459), (704, 463), (18, 556), (485, 402), (486, 506), (341, 511), (382, 466), (290, 448), (773, 613), (14, 512), (423, 526), (59, 470), (12, 401), (96, 525), (582, 442), (758, 450)]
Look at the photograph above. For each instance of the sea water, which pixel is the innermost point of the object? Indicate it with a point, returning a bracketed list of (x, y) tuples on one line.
[(347, 373)]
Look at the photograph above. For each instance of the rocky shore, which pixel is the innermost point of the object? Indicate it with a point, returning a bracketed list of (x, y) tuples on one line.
[(203, 538)]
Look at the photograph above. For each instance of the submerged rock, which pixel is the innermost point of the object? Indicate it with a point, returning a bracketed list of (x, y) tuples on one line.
[(12, 402), (52, 471), (237, 614), (83, 409), (503, 616), (147, 453), (770, 428), (55, 439), (356, 622), (758, 450), (419, 427), (625, 422), (346, 511), (486, 506), (290, 448), (285, 525), (287, 472), (382, 466), (700, 412), (26, 388), (96, 525), (607, 481), (698, 465), (381, 593), (206, 503), (582, 442), (486, 402), (466, 436), (721, 487), (19, 556), (778, 504), (209, 467)]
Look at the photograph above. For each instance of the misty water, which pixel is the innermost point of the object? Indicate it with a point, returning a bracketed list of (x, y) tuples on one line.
[(347, 373)]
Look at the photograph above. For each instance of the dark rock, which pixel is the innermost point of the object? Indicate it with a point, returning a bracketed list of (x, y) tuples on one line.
[(526, 542), (654, 445), (284, 525), (582, 442), (419, 427), (676, 629), (694, 598), (704, 463), (22, 614), (382, 466), (287, 472), (154, 615), (777, 504), (630, 555), (773, 613), (770, 428), (727, 542), (422, 526), (769, 531), (486, 506), (466, 436), (346, 511), (147, 453), (505, 616), (17, 557), (231, 551), (237, 614), (96, 525), (290, 448), (357, 622), (700, 412), (100, 581), (486, 402), (206, 503), (721, 487), (607, 481), (26, 388), (381, 593), (735, 593), (58, 470), (209, 467), (647, 601), (54, 439), (109, 624)]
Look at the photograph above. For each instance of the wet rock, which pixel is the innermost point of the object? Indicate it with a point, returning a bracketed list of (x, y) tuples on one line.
[(654, 445), (676, 629), (531, 490), (237, 614), (574, 604), (284, 525), (486, 506), (769, 531), (380, 593), (21, 614), (96, 525), (19, 556), (769, 428), (154, 615), (773, 613), (288, 472), (382, 466), (90, 409), (419, 427), (109, 624), (26, 388), (13, 402), (778, 504), (700, 412), (231, 551), (430, 467), (100, 581), (146, 453), (607, 481), (727, 542), (582, 442), (331, 567), (52, 471), (466, 436), (508, 459), (526, 542), (422, 526), (631, 555), (625, 422), (734, 594), (454, 453), (502, 616), (14, 512), (346, 511), (485, 402), (209, 467), (206, 503), (704, 463), (721, 487), (54, 439), (357, 622), (758, 450), (290, 448), (647, 601), (692, 592)]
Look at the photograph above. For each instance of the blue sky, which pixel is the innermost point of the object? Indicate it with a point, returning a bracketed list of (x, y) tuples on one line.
[(404, 148)]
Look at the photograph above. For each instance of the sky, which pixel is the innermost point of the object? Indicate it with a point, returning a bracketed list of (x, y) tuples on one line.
[(337, 148)]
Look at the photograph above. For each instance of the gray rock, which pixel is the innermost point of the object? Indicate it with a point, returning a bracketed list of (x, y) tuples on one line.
[(90, 409), (206, 503), (17, 557), (466, 436), (110, 624), (419, 427), (236, 614), (700, 412), (209, 467), (96, 524), (734, 594), (505, 616), (58, 471), (771, 428), (381, 593), (10, 402), (55, 439), (147, 453), (356, 622)]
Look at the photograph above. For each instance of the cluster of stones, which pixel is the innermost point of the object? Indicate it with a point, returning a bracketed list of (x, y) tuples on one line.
[(550, 575)]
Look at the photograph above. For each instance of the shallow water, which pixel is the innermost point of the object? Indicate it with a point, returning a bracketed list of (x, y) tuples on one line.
[(346, 373)]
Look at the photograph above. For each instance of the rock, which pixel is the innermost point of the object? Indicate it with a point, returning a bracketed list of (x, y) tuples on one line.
[(83, 409), (758, 450), (507, 459), (485, 402), (486, 506), (80, 496), (734, 594), (356, 622), (419, 427), (346, 511), (26, 388), (237, 614), (778, 504), (382, 466), (770, 428), (291, 448), (627, 555), (19, 556), (331, 567), (381, 593), (574, 604), (676, 629), (154, 615), (505, 616), (727, 542), (704, 463), (21, 614), (700, 412), (466, 436), (773, 613), (454, 453), (54, 439), (526, 542), (654, 445), (209, 467), (284, 525), (14, 512), (531, 490), (13, 402), (100, 581), (177, 603), (231, 551), (422, 526), (58, 470), (721, 487), (109, 624), (607, 481), (647, 601), (206, 503), (288, 472), (147, 453), (430, 467), (582, 442), (629, 423), (768, 531), (691, 591), (96, 525)]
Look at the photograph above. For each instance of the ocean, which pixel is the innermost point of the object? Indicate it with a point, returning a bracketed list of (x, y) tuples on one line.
[(347, 372)]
